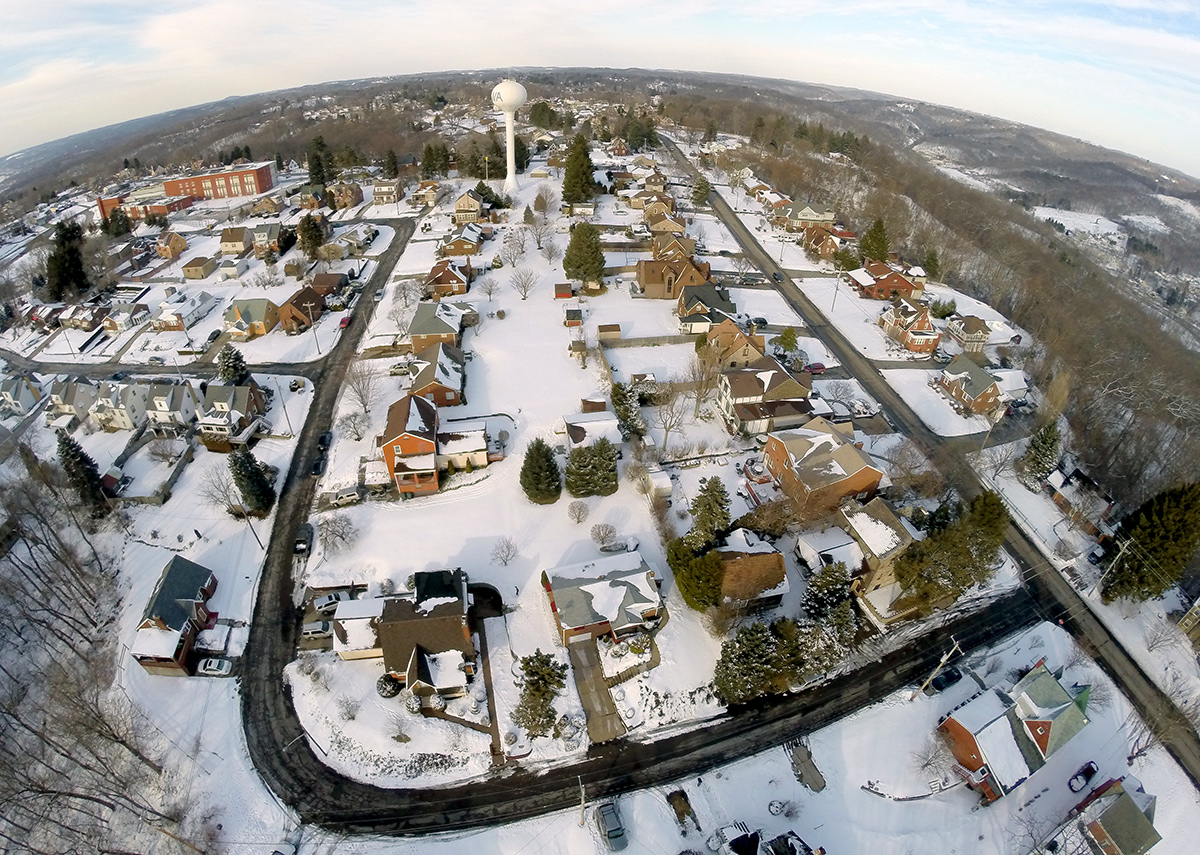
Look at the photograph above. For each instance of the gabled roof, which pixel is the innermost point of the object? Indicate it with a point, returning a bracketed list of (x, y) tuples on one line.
[(410, 415), (436, 319), (877, 528), (976, 379), (821, 454), (251, 311), (433, 620), (706, 297), (618, 589), (234, 234), (178, 587), (441, 364), (765, 379)]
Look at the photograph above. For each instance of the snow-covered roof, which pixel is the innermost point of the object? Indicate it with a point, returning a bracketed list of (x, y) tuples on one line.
[(878, 537), (152, 642), (1002, 754), (981, 710), (583, 429), (355, 623), (744, 540), (618, 589), (445, 669), (832, 543)]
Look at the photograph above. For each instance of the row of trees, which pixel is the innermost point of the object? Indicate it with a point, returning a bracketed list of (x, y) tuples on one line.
[(591, 471)]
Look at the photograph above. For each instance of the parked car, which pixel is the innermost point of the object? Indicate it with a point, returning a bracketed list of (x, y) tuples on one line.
[(213, 336), (777, 276), (317, 629), (946, 678), (284, 849), (156, 360), (214, 668), (1096, 555), (318, 467), (1080, 779), (345, 322), (119, 376), (941, 356), (304, 539), (611, 830), (861, 408), (329, 602), (759, 322), (378, 295), (325, 440), (815, 368)]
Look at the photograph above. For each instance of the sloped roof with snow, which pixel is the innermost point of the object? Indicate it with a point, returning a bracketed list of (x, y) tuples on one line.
[(617, 588)]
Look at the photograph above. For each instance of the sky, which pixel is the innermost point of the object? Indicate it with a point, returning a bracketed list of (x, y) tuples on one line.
[(1121, 73)]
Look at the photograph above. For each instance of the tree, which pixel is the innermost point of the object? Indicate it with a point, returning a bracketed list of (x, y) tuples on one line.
[(932, 265), (578, 511), (318, 156), (551, 251), (489, 287), (1040, 457), (231, 367), (66, 277), (543, 678), (592, 470), (546, 199), (362, 384), (846, 259), (787, 340), (337, 532), (1155, 544), (710, 513), (540, 476), (257, 492), (391, 165), (749, 665), (355, 424), (539, 229), (741, 266), (522, 281), (527, 216), (82, 474), (279, 161), (827, 589), (703, 374), (874, 242), (578, 182), (625, 408), (700, 191), (520, 153), (310, 236), (699, 577), (671, 412), (585, 255), (504, 551), (435, 160), (603, 534)]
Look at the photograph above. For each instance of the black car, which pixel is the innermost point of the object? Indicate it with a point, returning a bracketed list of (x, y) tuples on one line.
[(945, 679), (759, 322), (324, 441), (119, 376), (1080, 779), (304, 539), (777, 276), (213, 336), (318, 468)]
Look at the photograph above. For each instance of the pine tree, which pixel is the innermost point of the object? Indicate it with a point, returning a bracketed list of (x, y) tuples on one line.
[(527, 217), (827, 589), (578, 181), (710, 513), (842, 626), (700, 191), (391, 165), (66, 276), (749, 665), (258, 493), (1155, 544), (520, 153), (698, 577), (543, 678), (540, 477), (584, 258), (580, 475), (309, 236), (82, 474), (1040, 457), (318, 153), (604, 467), (932, 265), (278, 161), (625, 408), (874, 243), (787, 340), (231, 367)]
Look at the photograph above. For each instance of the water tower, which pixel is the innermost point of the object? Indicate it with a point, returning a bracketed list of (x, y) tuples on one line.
[(508, 97)]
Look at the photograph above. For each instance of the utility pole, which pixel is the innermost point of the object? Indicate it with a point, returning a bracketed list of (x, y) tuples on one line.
[(1116, 560), (291, 429), (582, 803), (309, 305), (945, 658)]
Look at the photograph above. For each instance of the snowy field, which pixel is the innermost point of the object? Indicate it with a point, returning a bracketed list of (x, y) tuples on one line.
[(930, 404), (1075, 221), (666, 362), (766, 303), (639, 317)]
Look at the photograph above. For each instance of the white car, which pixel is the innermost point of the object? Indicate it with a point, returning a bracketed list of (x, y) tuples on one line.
[(329, 602), (214, 668)]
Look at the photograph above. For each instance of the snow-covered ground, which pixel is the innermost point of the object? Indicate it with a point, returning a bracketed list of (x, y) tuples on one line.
[(766, 303), (930, 404), (1075, 221)]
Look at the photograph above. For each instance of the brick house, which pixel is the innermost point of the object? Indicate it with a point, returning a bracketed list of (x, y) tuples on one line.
[(469, 208), (970, 386), (440, 376), (820, 464), (425, 637), (970, 332), (409, 445), (248, 179), (170, 245), (301, 311), (246, 319), (344, 195), (328, 284), (908, 323), (617, 147), (1001, 737), (822, 242), (440, 323), (611, 596), (465, 240), (199, 268), (663, 280), (177, 611), (448, 278), (877, 281), (763, 396)]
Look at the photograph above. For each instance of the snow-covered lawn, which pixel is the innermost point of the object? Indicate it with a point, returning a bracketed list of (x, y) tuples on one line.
[(665, 361), (856, 318), (1075, 221), (639, 317), (930, 405), (71, 345), (766, 303)]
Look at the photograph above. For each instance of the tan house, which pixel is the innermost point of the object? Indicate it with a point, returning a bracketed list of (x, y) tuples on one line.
[(673, 247), (427, 193), (200, 268), (908, 322), (386, 191), (970, 386), (663, 280), (469, 208), (235, 240), (883, 538), (267, 206), (763, 396), (798, 217), (301, 311), (170, 245), (700, 307), (312, 196), (246, 319), (440, 323), (970, 332), (734, 348), (819, 465), (665, 223), (464, 240)]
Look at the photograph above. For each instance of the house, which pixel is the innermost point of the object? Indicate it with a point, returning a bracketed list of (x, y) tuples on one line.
[(181, 310), (1000, 737), (673, 247), (563, 290), (177, 611), (645, 162), (172, 406), (439, 375), (267, 206), (266, 239), (464, 240), (799, 218), (469, 208), (655, 181), (447, 278), (643, 199), (753, 573), (71, 401), (819, 464), (908, 322), (614, 595), (232, 268), (578, 209), (751, 399), (824, 242), (236, 239), (409, 445), (817, 549), (969, 331), (199, 268), (617, 147), (1083, 500), (661, 223), (658, 205), (427, 193), (312, 196), (702, 307), (663, 280), (426, 637), (877, 281), (231, 415), (170, 245), (971, 387), (584, 429), (83, 316), (19, 394), (125, 316), (343, 195), (247, 318), (120, 406), (1116, 818), (301, 311), (242, 179), (356, 628), (386, 192), (734, 348), (883, 537), (328, 284), (352, 243), (440, 322)]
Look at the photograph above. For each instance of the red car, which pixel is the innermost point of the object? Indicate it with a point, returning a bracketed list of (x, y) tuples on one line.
[(345, 322), (815, 368)]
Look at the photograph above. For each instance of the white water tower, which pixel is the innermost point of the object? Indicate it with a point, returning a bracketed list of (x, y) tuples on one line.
[(509, 96)]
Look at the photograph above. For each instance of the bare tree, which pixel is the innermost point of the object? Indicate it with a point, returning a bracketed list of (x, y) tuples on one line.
[(408, 291), (355, 424), (337, 532), (1141, 737), (362, 384), (603, 534), (539, 230), (671, 412), (522, 281), (217, 489), (703, 376), (552, 252), (269, 277), (997, 457), (577, 511), (741, 266), (163, 450), (488, 287), (546, 200), (933, 757), (398, 314), (504, 551), (842, 391), (513, 249)]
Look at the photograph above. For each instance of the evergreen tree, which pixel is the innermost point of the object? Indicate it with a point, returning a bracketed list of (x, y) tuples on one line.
[(604, 467), (520, 153), (1040, 457), (578, 181), (543, 677), (542, 115), (625, 408), (699, 577), (874, 242), (842, 626), (540, 477), (1155, 544), (758, 131), (846, 259), (257, 492), (82, 474), (66, 276), (391, 165), (827, 589), (231, 367), (278, 162), (700, 191), (932, 265), (584, 258), (435, 160), (310, 236), (787, 340), (749, 665), (318, 154), (580, 475), (710, 513), (527, 217)]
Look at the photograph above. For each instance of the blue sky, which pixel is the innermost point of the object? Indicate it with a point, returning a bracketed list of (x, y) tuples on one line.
[(1122, 73)]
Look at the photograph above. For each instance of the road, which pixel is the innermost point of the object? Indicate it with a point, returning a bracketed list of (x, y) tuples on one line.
[(1178, 736)]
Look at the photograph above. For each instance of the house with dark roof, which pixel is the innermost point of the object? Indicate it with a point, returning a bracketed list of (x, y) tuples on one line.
[(763, 396), (266, 239), (798, 217), (614, 595), (440, 375), (883, 537), (672, 247), (447, 278), (425, 637), (246, 319), (440, 323), (908, 322), (753, 576), (230, 416), (1001, 737), (734, 348), (469, 208), (971, 386), (301, 311), (171, 406), (1116, 818), (969, 331), (465, 240), (878, 281), (71, 400), (409, 445), (236, 239), (820, 464), (701, 307), (19, 394), (177, 611)]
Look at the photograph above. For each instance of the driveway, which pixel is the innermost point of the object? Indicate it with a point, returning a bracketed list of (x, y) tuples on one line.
[(603, 722)]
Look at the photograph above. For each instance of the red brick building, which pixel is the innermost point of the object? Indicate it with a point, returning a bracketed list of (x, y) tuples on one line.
[(409, 445), (244, 180)]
